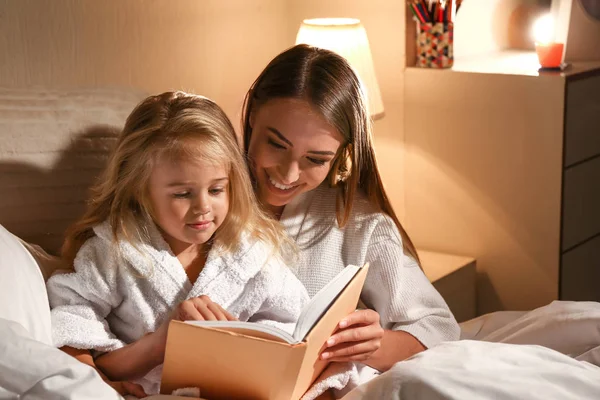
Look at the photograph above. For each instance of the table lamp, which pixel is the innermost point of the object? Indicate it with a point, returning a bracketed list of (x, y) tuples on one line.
[(348, 38)]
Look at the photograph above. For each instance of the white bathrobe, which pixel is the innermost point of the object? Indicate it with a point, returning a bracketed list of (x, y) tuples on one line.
[(114, 299)]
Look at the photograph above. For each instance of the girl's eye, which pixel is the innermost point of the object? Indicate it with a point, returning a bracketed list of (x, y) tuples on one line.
[(182, 195), (316, 161), (216, 191), (275, 144)]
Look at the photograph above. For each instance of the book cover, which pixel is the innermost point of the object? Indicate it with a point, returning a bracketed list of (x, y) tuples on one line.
[(249, 361)]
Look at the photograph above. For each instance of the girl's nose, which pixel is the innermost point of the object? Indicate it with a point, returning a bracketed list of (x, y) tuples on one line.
[(201, 206)]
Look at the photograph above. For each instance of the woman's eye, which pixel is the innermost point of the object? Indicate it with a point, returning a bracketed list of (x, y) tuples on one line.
[(216, 191), (182, 195), (316, 161), (275, 144)]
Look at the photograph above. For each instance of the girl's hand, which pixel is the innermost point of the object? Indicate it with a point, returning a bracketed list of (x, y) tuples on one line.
[(128, 388), (358, 337), (201, 309)]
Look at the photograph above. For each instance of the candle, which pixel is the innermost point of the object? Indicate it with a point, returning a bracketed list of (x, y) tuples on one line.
[(549, 52)]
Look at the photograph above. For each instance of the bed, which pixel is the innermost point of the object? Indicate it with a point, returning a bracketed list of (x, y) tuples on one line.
[(53, 143)]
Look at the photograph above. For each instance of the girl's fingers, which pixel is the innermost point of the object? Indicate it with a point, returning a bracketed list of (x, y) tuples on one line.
[(189, 312), (228, 316), (134, 389), (217, 311), (203, 309)]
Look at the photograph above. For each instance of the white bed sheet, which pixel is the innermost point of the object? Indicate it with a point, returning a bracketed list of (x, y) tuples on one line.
[(569, 327), (552, 352), (485, 371)]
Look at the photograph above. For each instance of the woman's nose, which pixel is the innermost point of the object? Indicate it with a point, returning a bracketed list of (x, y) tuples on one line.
[(290, 172)]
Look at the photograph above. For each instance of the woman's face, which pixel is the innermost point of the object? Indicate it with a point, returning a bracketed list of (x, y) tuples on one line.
[(291, 150)]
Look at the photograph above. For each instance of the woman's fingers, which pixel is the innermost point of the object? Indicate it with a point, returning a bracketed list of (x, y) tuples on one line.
[(360, 317), (351, 351), (356, 334), (358, 337), (354, 342)]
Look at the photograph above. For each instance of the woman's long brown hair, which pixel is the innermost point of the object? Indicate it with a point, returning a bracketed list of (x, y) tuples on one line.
[(328, 83)]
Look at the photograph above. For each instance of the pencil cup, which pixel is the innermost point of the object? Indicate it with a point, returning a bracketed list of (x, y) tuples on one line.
[(435, 42)]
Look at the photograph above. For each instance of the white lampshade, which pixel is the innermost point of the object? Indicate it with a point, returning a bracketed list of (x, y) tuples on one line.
[(348, 38)]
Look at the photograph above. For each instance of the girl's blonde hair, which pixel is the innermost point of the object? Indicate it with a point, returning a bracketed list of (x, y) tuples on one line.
[(179, 127), (327, 82)]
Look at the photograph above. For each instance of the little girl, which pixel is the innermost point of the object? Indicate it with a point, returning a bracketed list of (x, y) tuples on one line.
[(172, 231)]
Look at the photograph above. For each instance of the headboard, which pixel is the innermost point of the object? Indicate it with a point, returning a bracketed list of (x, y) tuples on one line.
[(53, 144)]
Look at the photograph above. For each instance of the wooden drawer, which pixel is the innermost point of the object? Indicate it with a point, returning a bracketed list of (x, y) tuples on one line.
[(582, 129), (581, 203), (580, 272), (454, 278), (459, 291)]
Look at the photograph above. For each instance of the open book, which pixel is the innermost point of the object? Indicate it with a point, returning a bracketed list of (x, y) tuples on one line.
[(246, 360), (310, 315)]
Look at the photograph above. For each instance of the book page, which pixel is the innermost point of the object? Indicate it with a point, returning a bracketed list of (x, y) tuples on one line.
[(321, 301), (254, 329)]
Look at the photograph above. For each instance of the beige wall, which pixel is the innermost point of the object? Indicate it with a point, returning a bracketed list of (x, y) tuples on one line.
[(211, 47), (583, 35), (483, 178)]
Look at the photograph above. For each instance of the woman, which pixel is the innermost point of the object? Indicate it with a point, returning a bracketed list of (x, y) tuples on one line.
[(308, 138)]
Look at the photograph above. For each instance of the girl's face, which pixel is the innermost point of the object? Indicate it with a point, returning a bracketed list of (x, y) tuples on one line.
[(190, 201), (292, 149)]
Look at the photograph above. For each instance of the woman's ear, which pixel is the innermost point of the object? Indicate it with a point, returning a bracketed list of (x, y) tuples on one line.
[(341, 167)]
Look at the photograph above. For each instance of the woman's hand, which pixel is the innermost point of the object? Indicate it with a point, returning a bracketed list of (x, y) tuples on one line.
[(359, 335)]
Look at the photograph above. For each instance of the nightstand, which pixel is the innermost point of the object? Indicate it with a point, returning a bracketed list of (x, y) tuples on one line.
[(510, 168), (454, 277)]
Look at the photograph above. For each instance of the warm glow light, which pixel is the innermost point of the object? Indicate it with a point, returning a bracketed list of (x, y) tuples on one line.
[(543, 29), (348, 38)]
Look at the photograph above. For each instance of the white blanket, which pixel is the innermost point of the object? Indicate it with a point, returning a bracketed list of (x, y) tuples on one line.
[(569, 327), (509, 369), (482, 370)]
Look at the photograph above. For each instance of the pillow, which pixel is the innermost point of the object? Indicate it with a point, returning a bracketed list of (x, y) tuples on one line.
[(53, 145), (468, 369), (23, 296), (33, 370)]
